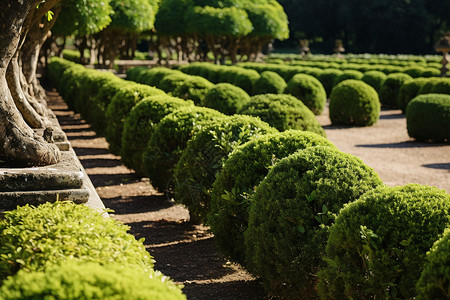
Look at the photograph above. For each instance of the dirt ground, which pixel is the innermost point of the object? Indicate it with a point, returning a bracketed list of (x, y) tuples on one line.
[(186, 252)]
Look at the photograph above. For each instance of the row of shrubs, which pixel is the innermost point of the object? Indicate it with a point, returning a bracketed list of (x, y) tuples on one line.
[(66, 251), (281, 198)]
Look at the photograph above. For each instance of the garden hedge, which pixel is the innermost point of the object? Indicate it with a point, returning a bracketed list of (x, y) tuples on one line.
[(377, 246), (291, 212), (353, 102), (172, 81), (409, 90), (282, 112), (428, 118), (269, 83), (196, 170), (139, 126), (226, 98), (153, 76), (309, 90), (375, 79), (391, 87), (194, 88), (328, 77), (348, 74), (169, 139), (241, 173)]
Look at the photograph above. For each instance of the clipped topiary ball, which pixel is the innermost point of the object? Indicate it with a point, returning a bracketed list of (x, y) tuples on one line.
[(172, 81), (377, 246), (139, 125), (434, 282), (169, 139), (194, 88), (391, 88), (375, 79), (409, 90), (327, 78), (348, 74), (119, 108), (353, 102), (202, 159), (442, 87), (226, 98), (154, 76), (282, 112), (429, 86), (269, 83), (428, 118), (291, 212), (309, 90), (134, 73), (245, 79), (88, 281), (414, 71), (32, 238), (241, 173)]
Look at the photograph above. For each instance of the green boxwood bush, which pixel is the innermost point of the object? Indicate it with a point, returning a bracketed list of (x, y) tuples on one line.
[(88, 281), (241, 173), (33, 238), (196, 170), (409, 90), (442, 87), (245, 79), (56, 69), (348, 74), (353, 102), (428, 118), (377, 247), (429, 86), (119, 108), (309, 90), (282, 112), (154, 76), (170, 82), (134, 73), (169, 139), (375, 79), (434, 282), (414, 71), (70, 83), (327, 78), (194, 88), (291, 212), (391, 88), (226, 98), (269, 83), (139, 125)]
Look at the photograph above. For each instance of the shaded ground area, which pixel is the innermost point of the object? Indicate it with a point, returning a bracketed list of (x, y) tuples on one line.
[(183, 251)]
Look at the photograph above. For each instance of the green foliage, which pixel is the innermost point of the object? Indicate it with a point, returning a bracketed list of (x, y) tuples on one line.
[(119, 108), (291, 212), (409, 90), (133, 15), (269, 83), (328, 77), (172, 81), (353, 102), (375, 79), (74, 281), (134, 73), (268, 19), (34, 238), (282, 112), (428, 87), (194, 88), (246, 79), (376, 248), (391, 87), (434, 282), (241, 173), (196, 170), (72, 55), (414, 71), (442, 87), (169, 139), (309, 90), (348, 74), (226, 98), (428, 118), (140, 124), (70, 83), (154, 76), (56, 69), (170, 19)]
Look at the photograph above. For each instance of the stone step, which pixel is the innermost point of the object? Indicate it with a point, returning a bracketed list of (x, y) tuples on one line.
[(10, 200)]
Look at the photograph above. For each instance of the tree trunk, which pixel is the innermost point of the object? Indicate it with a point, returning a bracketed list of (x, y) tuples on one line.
[(18, 143)]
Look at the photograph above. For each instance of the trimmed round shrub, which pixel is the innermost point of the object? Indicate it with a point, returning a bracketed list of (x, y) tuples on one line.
[(169, 139), (434, 282), (119, 108), (291, 212), (282, 112), (241, 173), (442, 87), (33, 238), (154, 76), (353, 102), (134, 73), (428, 118), (269, 83), (196, 170), (391, 88), (327, 78), (88, 281), (429, 86), (414, 71), (375, 79), (348, 74), (377, 246), (139, 125), (431, 72), (409, 90), (170, 82), (245, 79), (226, 98), (194, 88), (309, 90)]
